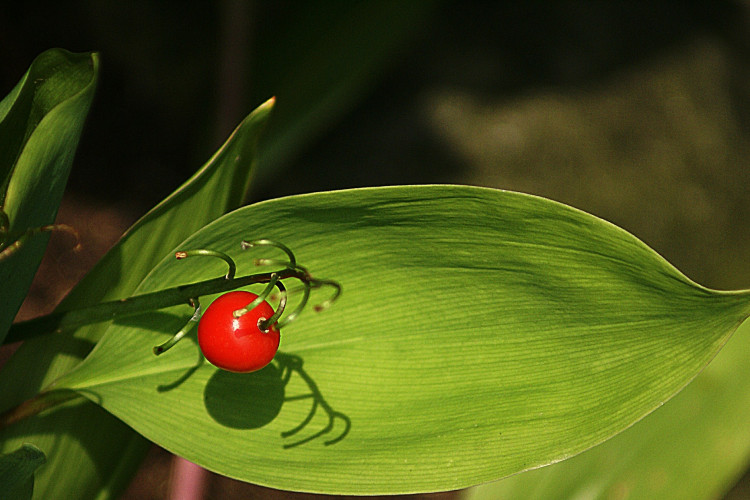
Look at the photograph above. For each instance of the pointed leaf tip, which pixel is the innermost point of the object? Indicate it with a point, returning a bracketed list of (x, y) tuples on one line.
[(575, 330)]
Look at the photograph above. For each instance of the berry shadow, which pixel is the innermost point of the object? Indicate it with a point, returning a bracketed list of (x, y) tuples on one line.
[(253, 400), (245, 400)]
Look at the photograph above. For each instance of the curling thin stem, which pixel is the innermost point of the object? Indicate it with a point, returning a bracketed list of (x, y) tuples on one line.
[(260, 298), (274, 320), (210, 253), (317, 283), (9, 248), (270, 243), (159, 349), (297, 310)]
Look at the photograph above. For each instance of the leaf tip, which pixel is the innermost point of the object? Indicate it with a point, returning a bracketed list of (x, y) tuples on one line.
[(270, 103)]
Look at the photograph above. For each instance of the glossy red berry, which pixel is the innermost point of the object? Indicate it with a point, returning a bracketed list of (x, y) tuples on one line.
[(237, 344)]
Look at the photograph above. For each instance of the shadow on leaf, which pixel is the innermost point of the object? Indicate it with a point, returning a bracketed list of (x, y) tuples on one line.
[(184, 377), (252, 400), (293, 364), (245, 400)]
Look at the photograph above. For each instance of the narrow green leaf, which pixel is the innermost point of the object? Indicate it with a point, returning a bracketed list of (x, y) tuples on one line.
[(40, 125), (17, 471), (104, 450), (480, 333)]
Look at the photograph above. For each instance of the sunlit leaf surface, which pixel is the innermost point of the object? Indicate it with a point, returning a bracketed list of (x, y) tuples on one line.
[(480, 333), (691, 448)]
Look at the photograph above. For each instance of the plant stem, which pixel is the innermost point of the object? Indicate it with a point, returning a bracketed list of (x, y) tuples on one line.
[(105, 311), (35, 405)]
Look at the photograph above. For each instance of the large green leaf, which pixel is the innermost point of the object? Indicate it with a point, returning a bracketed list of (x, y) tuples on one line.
[(691, 448), (480, 333), (40, 124), (103, 451)]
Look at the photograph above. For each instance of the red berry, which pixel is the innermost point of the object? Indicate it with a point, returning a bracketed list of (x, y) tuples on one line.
[(237, 344)]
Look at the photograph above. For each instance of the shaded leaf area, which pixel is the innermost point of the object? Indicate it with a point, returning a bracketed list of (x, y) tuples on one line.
[(17, 471), (40, 125), (480, 333), (106, 451)]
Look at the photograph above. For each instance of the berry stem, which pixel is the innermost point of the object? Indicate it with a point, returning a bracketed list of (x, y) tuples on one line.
[(105, 311), (183, 331), (279, 310), (260, 298), (270, 243), (317, 283), (299, 308), (210, 253)]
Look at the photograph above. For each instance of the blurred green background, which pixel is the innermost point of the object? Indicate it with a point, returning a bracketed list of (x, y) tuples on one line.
[(637, 112)]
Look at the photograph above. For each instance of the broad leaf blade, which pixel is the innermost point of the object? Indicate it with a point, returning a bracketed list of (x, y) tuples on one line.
[(693, 447), (17, 471), (104, 450), (40, 125), (481, 333)]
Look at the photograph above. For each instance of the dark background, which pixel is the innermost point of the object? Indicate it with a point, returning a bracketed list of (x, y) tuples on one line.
[(638, 112)]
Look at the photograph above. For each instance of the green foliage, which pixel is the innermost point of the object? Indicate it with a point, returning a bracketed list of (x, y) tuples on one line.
[(17, 471), (40, 124), (692, 447), (106, 451), (481, 333)]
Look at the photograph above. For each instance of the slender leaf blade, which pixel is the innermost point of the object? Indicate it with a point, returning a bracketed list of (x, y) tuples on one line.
[(104, 450), (481, 333), (40, 125)]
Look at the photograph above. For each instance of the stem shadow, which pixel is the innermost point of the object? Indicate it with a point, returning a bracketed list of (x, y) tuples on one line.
[(253, 400), (291, 364), (184, 377)]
